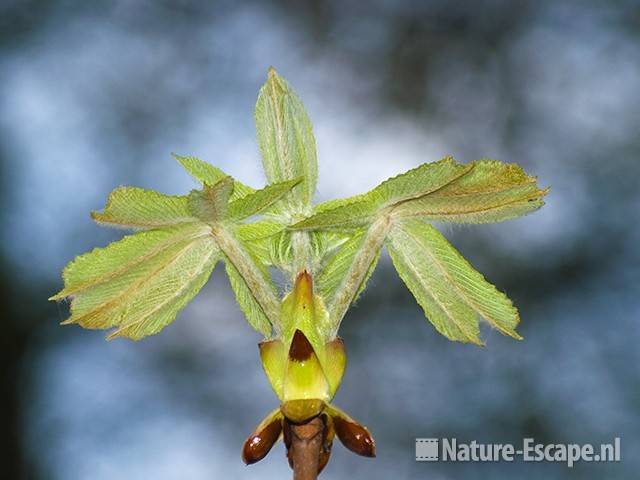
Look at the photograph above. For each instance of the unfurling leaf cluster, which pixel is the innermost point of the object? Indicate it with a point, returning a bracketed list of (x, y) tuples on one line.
[(137, 286)]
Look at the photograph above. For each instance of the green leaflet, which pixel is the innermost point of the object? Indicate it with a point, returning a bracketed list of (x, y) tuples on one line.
[(207, 174), (447, 287), (490, 192), (102, 264), (417, 182), (360, 210), (257, 237), (253, 232), (272, 243), (346, 217), (139, 283), (280, 248), (248, 304), (250, 280), (332, 275), (286, 141), (260, 200), (132, 207), (355, 265), (211, 203)]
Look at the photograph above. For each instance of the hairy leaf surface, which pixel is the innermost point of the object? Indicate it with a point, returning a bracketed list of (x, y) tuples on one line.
[(207, 174), (286, 141), (361, 210), (333, 274), (490, 192), (260, 200), (139, 283), (246, 300), (132, 207), (451, 292)]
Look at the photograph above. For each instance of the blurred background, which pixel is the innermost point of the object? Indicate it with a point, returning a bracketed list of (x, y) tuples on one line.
[(97, 94)]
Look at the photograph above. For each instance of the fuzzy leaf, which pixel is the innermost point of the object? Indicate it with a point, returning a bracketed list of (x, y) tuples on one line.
[(281, 250), (248, 304), (141, 282), (207, 174), (260, 200), (346, 217), (132, 207), (211, 203), (286, 141), (361, 210), (490, 192), (253, 232), (333, 274), (447, 287), (258, 238), (417, 182), (353, 267)]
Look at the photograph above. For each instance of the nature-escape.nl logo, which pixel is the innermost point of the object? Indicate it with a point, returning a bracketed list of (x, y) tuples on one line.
[(450, 450)]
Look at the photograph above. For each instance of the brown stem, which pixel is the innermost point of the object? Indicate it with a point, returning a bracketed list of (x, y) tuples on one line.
[(306, 440)]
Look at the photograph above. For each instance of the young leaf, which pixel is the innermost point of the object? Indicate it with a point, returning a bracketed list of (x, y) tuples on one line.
[(139, 283), (252, 310), (360, 210), (207, 174), (332, 275), (132, 207), (417, 182), (250, 280), (260, 230), (447, 287), (354, 265), (210, 204), (260, 200), (281, 250), (490, 192), (347, 217), (285, 137)]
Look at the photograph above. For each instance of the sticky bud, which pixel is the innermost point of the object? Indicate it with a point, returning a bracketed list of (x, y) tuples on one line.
[(263, 438), (354, 436)]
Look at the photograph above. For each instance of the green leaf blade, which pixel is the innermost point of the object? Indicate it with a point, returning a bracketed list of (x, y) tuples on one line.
[(450, 291), (207, 174), (103, 264), (418, 182), (490, 192), (286, 140), (333, 274), (343, 218), (136, 208), (252, 310), (260, 200), (361, 210), (140, 283), (211, 203)]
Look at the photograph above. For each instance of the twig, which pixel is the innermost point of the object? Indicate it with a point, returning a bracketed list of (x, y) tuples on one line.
[(306, 440)]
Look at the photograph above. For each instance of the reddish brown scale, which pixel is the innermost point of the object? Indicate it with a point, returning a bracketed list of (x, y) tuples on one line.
[(300, 349), (355, 437), (259, 443)]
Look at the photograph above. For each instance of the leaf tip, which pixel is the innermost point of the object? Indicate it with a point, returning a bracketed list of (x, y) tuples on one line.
[(117, 333), (515, 335), (57, 297)]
